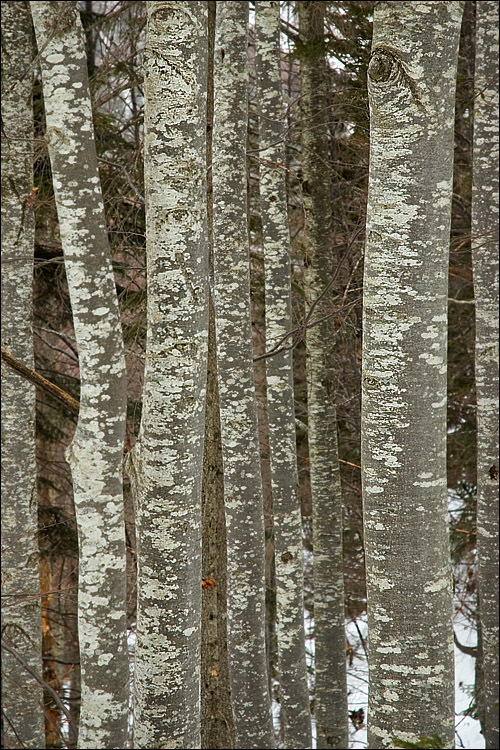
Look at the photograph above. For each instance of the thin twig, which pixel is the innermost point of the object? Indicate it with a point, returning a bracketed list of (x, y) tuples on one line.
[(127, 177), (300, 330), (38, 380), (348, 463), (42, 682), (363, 642), (469, 650)]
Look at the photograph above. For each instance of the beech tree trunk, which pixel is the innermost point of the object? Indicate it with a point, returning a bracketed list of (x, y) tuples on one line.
[(166, 462), (22, 695), (96, 452), (485, 271), (217, 723), (294, 693), (411, 79), (240, 447), (329, 623)]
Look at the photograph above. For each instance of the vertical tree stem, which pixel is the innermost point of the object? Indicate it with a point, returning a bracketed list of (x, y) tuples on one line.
[(22, 696), (96, 452), (485, 272), (294, 694), (329, 622), (166, 463), (240, 447), (411, 83)]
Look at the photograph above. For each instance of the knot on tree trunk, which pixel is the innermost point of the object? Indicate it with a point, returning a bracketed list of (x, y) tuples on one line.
[(381, 65)]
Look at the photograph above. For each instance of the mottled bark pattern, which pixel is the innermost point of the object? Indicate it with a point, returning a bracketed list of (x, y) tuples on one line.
[(240, 448), (217, 723), (95, 454), (411, 81), (485, 270), (22, 697), (294, 694), (166, 464), (329, 629)]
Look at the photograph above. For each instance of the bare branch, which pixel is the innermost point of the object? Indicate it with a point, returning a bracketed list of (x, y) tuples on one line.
[(38, 380), (11, 650)]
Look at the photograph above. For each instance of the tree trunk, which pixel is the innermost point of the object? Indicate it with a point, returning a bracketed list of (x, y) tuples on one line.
[(166, 462), (485, 270), (96, 451), (294, 694), (22, 695), (217, 723), (409, 585), (329, 624), (240, 448)]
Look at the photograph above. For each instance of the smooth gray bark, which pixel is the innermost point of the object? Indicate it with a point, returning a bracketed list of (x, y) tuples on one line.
[(22, 695), (411, 82), (165, 465), (294, 693), (96, 452), (485, 272), (329, 624), (240, 447)]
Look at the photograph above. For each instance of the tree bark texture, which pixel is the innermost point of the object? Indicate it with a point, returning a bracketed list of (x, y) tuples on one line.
[(411, 83), (329, 624), (166, 462), (96, 452), (22, 695), (240, 447), (217, 723), (294, 693), (485, 272)]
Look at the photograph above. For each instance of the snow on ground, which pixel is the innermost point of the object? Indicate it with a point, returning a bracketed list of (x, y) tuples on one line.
[(467, 729), (468, 735)]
